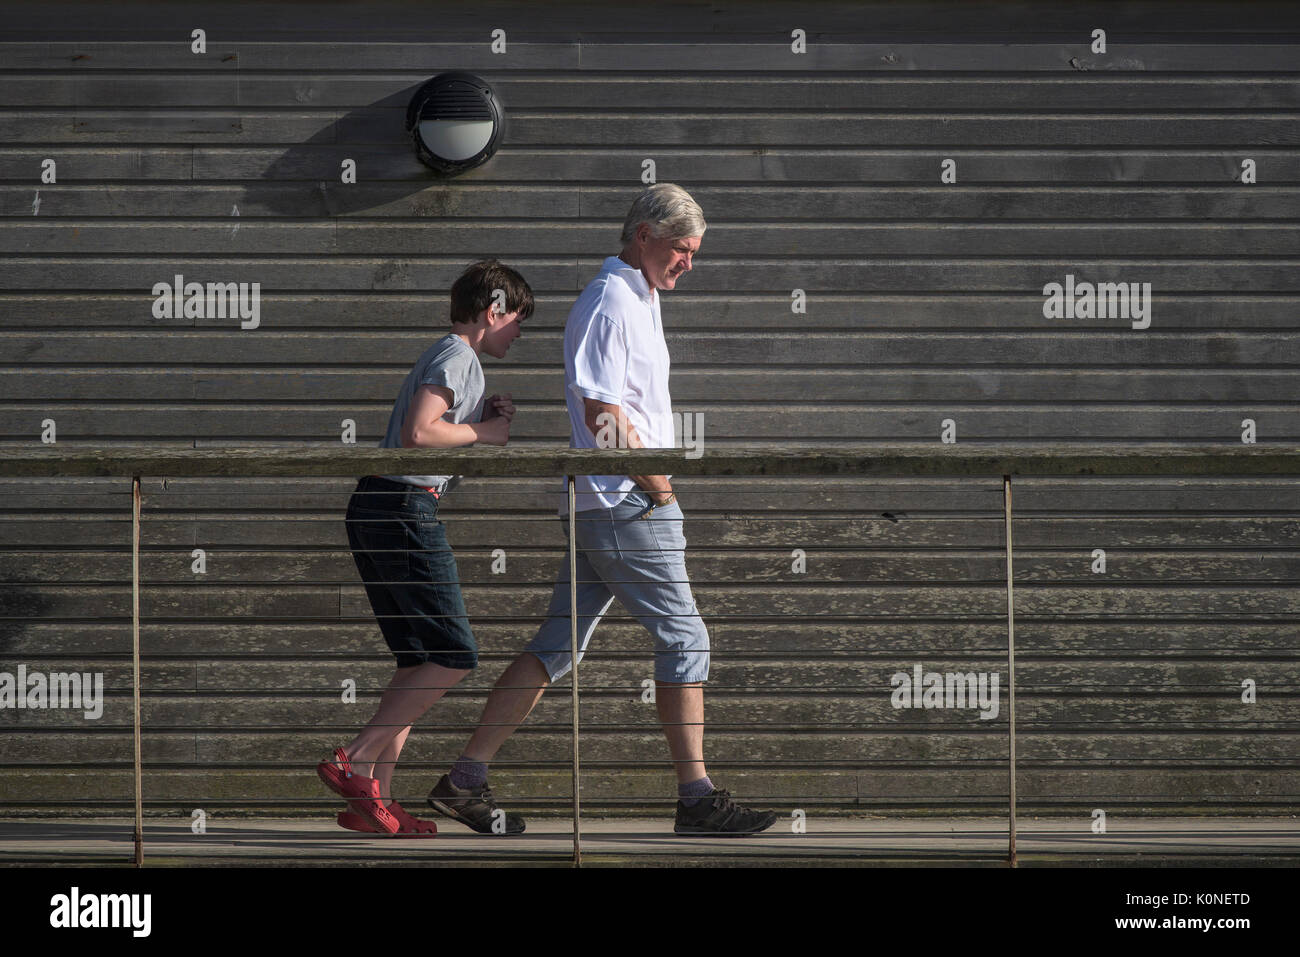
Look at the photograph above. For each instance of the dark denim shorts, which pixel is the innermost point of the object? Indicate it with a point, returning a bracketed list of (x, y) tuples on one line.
[(402, 554)]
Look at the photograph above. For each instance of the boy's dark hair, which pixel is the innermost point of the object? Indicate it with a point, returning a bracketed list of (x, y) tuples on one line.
[(474, 291)]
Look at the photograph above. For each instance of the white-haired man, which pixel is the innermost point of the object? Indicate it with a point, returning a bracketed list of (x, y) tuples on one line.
[(629, 527)]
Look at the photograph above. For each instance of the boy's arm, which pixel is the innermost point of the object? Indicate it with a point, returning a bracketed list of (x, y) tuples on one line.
[(425, 427), (601, 415)]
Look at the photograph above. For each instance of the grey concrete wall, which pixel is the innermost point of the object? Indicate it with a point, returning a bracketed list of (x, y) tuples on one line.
[(818, 171)]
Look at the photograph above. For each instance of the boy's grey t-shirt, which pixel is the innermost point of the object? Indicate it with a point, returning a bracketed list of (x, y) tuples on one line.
[(452, 364)]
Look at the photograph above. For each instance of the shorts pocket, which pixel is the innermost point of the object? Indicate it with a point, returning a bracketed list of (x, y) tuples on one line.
[(386, 547), (381, 541), (666, 530), (431, 558)]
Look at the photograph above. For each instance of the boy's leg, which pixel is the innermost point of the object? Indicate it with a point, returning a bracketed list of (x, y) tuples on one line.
[(387, 763), (410, 575), (411, 693), (417, 599)]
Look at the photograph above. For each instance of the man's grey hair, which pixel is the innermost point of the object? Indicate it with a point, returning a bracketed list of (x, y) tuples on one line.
[(669, 210)]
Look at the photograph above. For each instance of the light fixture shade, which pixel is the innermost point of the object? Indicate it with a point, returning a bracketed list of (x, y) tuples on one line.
[(455, 121)]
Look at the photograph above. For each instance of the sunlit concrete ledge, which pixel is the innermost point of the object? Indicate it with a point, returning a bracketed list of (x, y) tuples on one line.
[(649, 842)]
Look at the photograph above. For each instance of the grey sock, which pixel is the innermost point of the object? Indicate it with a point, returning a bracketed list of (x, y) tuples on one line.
[(692, 792), (468, 774)]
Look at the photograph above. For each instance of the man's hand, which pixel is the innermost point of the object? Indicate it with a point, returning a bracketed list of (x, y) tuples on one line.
[(498, 405), (600, 416)]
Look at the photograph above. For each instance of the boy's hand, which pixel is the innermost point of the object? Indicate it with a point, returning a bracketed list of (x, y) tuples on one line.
[(495, 431), (498, 405)]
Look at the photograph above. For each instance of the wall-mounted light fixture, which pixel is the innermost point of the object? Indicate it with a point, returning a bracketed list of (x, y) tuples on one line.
[(456, 122)]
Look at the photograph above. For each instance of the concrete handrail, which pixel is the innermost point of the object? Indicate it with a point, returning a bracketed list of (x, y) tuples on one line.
[(860, 459)]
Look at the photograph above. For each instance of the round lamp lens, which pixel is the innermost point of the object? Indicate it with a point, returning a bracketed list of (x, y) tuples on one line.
[(456, 140)]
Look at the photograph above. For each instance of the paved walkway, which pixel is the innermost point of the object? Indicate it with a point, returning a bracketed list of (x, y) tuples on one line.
[(650, 842)]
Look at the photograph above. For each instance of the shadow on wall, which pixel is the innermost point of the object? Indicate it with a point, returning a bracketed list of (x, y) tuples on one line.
[(22, 601), (21, 608), (308, 180), (64, 571)]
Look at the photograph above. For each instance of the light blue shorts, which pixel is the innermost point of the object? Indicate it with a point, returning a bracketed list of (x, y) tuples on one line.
[(642, 563)]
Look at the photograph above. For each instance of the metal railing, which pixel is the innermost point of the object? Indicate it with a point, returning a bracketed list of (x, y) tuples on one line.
[(962, 460)]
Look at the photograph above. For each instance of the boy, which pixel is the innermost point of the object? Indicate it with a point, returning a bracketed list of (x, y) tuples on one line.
[(400, 547)]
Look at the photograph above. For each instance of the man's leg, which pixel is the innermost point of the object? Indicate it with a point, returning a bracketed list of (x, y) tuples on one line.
[(463, 793), (681, 712), (647, 573), (548, 656), (513, 697)]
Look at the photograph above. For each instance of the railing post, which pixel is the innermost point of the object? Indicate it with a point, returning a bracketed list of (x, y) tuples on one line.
[(573, 671), (1011, 679), (135, 665)]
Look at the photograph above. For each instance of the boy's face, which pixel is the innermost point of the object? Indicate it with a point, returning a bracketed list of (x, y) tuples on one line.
[(502, 330)]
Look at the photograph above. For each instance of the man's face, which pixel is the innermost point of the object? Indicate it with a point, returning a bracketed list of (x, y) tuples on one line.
[(502, 330), (663, 261)]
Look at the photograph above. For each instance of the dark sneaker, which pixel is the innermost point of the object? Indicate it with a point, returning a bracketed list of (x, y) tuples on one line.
[(719, 814), (475, 809)]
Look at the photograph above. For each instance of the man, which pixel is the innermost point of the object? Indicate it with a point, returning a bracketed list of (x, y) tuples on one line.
[(628, 527)]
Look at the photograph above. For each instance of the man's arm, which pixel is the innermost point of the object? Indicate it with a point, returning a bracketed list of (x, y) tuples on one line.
[(600, 415), (425, 427)]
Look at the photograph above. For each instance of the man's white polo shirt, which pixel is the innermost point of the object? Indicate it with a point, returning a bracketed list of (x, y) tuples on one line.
[(614, 351)]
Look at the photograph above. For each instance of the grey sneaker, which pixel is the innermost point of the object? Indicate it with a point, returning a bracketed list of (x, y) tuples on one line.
[(719, 814), (475, 809)]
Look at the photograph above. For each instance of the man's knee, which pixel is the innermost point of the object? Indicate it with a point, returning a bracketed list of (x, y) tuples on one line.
[(683, 664)]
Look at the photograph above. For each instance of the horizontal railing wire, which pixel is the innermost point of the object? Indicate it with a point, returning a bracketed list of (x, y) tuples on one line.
[(1273, 462)]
